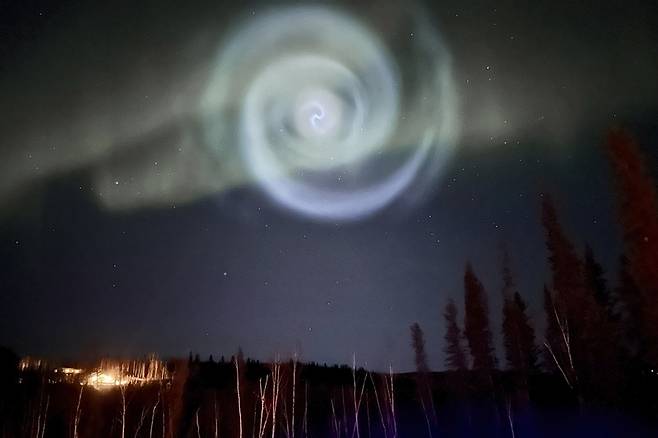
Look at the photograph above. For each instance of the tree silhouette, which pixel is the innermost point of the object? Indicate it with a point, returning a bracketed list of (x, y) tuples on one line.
[(511, 319), (595, 279), (605, 345), (455, 357), (422, 376), (568, 282), (518, 333), (418, 344), (564, 302), (638, 214), (527, 331), (476, 322), (552, 335), (566, 266), (580, 335), (629, 309)]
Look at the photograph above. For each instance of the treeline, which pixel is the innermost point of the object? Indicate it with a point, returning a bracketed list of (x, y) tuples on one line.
[(600, 341)]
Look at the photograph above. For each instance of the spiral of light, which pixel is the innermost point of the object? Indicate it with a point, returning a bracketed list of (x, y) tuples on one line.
[(318, 107)]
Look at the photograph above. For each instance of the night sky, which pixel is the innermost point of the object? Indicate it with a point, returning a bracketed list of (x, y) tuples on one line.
[(124, 229)]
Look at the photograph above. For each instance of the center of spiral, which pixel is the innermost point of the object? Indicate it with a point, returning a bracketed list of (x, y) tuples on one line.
[(318, 114)]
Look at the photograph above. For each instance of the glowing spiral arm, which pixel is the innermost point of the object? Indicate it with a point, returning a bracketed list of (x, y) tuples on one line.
[(311, 96)]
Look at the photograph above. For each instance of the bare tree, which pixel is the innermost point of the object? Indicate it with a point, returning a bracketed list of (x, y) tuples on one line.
[(276, 384), (264, 411), (562, 342), (237, 389)]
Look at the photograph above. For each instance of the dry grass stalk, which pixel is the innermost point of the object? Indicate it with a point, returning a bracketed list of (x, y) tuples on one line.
[(510, 419), (390, 396), (76, 419), (368, 413), (379, 406), (142, 417), (155, 406), (344, 419), (294, 388), (122, 388), (305, 409), (196, 423), (286, 420), (427, 418), (335, 419), (217, 418), (357, 402), (45, 418)]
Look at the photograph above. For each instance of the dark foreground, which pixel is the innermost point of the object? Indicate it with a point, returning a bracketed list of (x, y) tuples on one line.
[(200, 399)]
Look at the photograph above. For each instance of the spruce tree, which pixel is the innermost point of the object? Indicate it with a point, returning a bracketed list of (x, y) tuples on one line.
[(518, 333), (638, 214), (580, 337), (455, 357), (594, 277), (476, 322)]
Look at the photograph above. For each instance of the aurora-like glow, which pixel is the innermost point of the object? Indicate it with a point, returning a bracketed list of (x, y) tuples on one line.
[(316, 102)]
